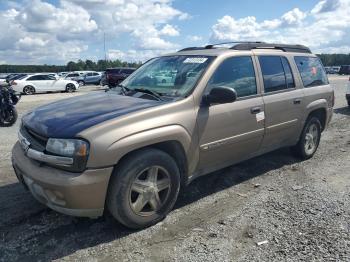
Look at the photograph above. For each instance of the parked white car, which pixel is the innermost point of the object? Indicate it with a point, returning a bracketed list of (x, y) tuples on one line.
[(41, 83), (3, 80)]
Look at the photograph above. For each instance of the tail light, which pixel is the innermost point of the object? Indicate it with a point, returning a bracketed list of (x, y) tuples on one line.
[(107, 76)]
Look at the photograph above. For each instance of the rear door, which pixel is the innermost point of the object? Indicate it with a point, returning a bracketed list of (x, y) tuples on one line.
[(38, 81), (283, 99)]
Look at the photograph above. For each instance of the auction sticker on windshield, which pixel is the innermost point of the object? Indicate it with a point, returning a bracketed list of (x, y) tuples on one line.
[(195, 60)]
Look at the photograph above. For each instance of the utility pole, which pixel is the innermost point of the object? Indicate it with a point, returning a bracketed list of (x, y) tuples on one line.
[(104, 45)]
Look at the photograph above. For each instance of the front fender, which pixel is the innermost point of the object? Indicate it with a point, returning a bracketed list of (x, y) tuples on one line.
[(116, 150), (149, 137)]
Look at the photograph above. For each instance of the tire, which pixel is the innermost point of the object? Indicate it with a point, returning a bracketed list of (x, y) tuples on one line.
[(29, 90), (13, 118), (132, 200), (70, 88), (81, 83), (309, 139)]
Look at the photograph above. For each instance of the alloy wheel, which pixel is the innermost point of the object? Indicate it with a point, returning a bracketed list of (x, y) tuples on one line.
[(311, 139), (149, 191), (29, 90), (70, 88)]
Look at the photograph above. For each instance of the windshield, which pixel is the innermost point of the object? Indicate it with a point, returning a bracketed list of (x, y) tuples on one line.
[(169, 75)]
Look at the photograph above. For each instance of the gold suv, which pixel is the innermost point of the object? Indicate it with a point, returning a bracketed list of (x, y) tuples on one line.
[(179, 116)]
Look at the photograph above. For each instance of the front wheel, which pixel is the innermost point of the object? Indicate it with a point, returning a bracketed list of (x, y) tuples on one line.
[(70, 88), (144, 188), (309, 139), (81, 83)]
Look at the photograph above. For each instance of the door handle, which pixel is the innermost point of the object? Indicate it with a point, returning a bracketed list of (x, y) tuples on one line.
[(255, 110), (297, 101)]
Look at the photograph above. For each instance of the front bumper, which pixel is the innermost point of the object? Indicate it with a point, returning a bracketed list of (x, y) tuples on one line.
[(75, 194)]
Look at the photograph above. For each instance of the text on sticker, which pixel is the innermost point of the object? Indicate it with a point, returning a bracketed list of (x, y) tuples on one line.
[(195, 60)]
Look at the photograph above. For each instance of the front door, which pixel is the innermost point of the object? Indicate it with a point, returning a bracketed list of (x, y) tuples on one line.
[(229, 133)]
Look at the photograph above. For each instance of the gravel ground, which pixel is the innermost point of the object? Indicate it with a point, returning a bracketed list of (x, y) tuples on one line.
[(270, 208)]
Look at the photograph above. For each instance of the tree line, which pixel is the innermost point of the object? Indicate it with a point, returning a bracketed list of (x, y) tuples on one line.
[(335, 59), (80, 65), (101, 65)]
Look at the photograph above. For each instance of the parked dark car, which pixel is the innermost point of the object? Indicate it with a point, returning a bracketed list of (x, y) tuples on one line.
[(113, 76), (15, 77), (344, 70), (10, 77)]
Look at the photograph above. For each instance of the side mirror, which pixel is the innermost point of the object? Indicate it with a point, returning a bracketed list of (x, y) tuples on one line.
[(220, 95)]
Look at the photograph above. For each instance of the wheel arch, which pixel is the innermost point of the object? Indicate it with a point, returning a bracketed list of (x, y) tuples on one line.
[(173, 148), (318, 109), (173, 140)]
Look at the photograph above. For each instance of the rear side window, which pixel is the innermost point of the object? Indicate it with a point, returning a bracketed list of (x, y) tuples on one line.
[(276, 73), (112, 71), (311, 71), (237, 73), (37, 77), (129, 71)]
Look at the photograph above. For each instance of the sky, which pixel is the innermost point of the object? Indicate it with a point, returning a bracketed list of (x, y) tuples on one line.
[(58, 31)]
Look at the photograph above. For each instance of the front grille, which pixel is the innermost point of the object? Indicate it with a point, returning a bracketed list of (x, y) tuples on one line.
[(36, 141)]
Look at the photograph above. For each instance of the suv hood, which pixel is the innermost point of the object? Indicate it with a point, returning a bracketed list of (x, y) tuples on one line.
[(68, 117)]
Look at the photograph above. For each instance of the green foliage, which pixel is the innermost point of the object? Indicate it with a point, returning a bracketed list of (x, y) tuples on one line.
[(335, 59), (100, 65)]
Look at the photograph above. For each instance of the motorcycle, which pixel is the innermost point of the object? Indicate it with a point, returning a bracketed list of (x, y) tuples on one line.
[(8, 100)]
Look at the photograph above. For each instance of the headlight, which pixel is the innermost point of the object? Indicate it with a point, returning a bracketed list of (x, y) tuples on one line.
[(74, 148)]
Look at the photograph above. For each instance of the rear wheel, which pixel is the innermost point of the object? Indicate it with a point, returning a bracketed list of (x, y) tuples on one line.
[(29, 90), (144, 188), (309, 139), (11, 117), (70, 88)]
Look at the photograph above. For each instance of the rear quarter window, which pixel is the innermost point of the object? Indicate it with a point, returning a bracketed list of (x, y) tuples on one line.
[(311, 71)]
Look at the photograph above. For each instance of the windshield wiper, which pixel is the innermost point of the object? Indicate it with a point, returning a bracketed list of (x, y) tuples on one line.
[(148, 91), (123, 89)]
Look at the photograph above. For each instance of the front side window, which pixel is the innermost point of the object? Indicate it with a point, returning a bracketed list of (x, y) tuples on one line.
[(311, 71), (237, 73), (169, 75)]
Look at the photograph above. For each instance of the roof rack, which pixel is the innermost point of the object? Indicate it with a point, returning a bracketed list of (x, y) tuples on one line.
[(255, 45), (283, 47), (233, 42)]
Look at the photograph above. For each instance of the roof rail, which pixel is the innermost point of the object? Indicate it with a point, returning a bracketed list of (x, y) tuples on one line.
[(283, 47), (192, 48), (255, 45), (213, 45), (233, 42)]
